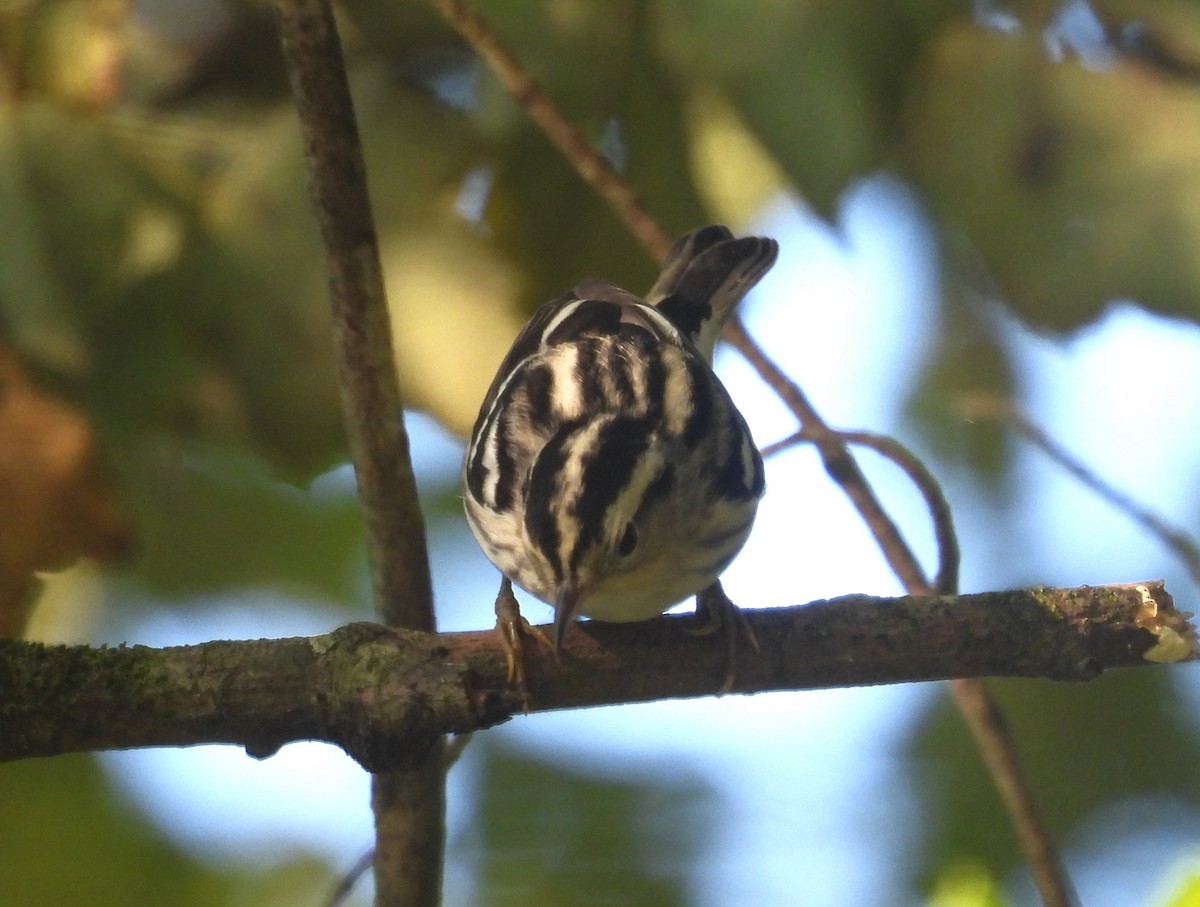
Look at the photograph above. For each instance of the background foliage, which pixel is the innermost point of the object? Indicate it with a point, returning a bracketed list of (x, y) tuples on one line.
[(168, 407)]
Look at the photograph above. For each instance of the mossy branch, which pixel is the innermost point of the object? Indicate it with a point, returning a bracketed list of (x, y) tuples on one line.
[(383, 695)]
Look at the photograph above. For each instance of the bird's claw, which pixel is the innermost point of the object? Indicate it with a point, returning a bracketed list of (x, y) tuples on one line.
[(512, 629), (720, 615)]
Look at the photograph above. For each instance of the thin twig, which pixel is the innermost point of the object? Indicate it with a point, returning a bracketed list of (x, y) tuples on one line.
[(346, 883), (410, 805), (990, 406), (946, 539), (975, 704), (839, 463), (990, 731), (571, 143)]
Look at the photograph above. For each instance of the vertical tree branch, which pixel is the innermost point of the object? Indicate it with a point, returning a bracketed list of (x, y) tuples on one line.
[(986, 725), (409, 806), (370, 394)]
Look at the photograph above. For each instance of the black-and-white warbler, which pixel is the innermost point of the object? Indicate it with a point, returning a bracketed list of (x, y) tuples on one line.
[(609, 472)]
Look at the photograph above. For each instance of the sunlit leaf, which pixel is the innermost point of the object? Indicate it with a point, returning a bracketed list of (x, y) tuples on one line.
[(72, 51), (735, 174), (819, 81), (1188, 894), (965, 883)]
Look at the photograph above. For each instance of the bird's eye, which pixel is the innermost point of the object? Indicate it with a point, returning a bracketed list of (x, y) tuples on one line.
[(629, 540)]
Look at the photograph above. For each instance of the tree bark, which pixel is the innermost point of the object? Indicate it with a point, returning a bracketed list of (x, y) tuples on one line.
[(385, 696)]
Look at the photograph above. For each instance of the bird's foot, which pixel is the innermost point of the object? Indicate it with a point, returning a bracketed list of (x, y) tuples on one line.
[(721, 615), (512, 629)]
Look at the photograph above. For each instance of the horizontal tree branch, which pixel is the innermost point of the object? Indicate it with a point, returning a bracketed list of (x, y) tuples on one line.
[(386, 695)]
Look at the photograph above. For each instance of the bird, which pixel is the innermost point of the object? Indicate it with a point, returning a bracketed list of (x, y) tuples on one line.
[(609, 472)]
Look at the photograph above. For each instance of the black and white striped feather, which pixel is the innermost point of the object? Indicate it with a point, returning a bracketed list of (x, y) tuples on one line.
[(609, 472)]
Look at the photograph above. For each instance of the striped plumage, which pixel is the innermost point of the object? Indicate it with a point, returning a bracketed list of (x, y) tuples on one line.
[(609, 472)]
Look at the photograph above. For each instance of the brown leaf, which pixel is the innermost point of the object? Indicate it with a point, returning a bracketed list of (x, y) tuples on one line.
[(55, 504)]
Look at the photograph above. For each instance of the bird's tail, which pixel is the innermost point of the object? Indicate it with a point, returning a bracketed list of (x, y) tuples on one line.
[(706, 274)]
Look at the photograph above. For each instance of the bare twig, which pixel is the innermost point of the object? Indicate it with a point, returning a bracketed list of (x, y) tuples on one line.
[(975, 704), (990, 406), (524, 89), (409, 806), (839, 463), (990, 731), (346, 883), (946, 540)]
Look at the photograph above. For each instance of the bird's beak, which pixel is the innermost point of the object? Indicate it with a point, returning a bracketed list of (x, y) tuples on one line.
[(566, 598)]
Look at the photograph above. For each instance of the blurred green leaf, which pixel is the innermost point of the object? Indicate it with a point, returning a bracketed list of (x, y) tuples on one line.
[(966, 364), (275, 339), (598, 61), (820, 81), (211, 521), (67, 837), (557, 836), (68, 239), (533, 194), (68, 840), (1082, 746), (1077, 185), (161, 262)]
